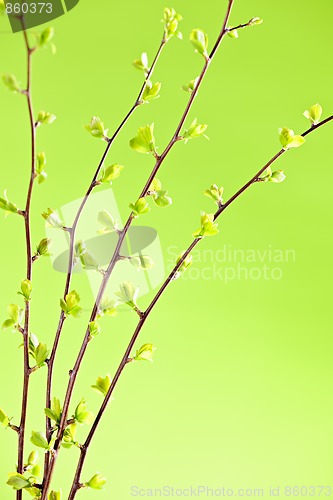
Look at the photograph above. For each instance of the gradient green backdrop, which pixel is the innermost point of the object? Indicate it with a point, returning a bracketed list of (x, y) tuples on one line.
[(240, 393)]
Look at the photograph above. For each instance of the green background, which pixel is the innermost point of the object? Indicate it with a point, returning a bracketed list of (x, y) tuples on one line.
[(240, 393)]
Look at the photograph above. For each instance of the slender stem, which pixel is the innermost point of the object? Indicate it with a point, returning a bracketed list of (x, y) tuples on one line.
[(116, 257), (25, 333), (72, 233), (145, 315)]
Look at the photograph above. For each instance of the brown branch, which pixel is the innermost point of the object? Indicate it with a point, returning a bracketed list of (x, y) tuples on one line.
[(27, 372), (126, 357)]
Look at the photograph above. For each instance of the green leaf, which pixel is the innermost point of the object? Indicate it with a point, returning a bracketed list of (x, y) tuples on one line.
[(40, 168), (94, 329), (314, 114), (45, 118), (187, 262), (96, 128), (8, 323), (128, 293), (43, 248), (107, 221), (45, 36), (33, 458), (107, 307), (55, 495), (215, 193), (87, 259), (97, 482), (255, 21), (15, 315), (200, 41), (208, 226), (145, 353), (142, 262), (4, 420), (18, 481), (39, 440), (190, 86), (232, 32), (55, 412), (69, 436), (151, 91), (144, 142), (70, 304), (7, 206), (102, 385), (26, 289), (289, 140), (41, 354), (142, 63), (111, 173), (140, 207), (171, 22), (11, 82), (82, 415), (162, 199), (195, 130), (52, 219)]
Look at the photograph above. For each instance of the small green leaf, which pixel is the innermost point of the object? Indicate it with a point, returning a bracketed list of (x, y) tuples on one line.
[(55, 412), (43, 248), (8, 323), (190, 86), (107, 221), (52, 219), (187, 262), (215, 193), (102, 384), (145, 353), (82, 415), (96, 128), (7, 206), (40, 168), (26, 290), (171, 22), (97, 482), (45, 36), (11, 82), (33, 458), (70, 304), (151, 91), (208, 226), (41, 354), (88, 261), (289, 140), (45, 118), (128, 293), (195, 130), (18, 481), (232, 32), (55, 495), (255, 21), (69, 436), (140, 207), (200, 41), (111, 173), (142, 63), (39, 440), (142, 262), (144, 142), (314, 114), (94, 329), (107, 307), (4, 420)]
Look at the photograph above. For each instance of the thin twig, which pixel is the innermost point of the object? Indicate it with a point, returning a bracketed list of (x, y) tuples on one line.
[(126, 357), (27, 372)]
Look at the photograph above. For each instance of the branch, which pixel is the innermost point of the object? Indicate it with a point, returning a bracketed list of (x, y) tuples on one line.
[(27, 372), (116, 255), (145, 315)]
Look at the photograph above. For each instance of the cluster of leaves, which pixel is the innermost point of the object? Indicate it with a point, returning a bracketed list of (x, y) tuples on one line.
[(70, 304)]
